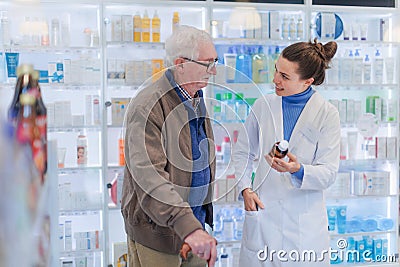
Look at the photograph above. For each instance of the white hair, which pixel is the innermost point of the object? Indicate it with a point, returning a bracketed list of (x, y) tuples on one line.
[(184, 42)]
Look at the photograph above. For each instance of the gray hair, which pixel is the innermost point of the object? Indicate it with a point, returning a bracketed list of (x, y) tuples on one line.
[(184, 42)]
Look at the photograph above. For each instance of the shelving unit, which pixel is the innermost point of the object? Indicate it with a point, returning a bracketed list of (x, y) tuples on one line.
[(91, 45)]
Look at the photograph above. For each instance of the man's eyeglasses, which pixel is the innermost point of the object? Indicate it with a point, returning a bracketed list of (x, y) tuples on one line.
[(210, 65)]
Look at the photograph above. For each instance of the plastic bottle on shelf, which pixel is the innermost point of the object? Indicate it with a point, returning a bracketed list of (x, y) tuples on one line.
[(121, 148), (243, 65), (240, 107), (378, 67), (4, 29), (41, 116), (55, 32), (273, 57), (226, 150), (145, 27), (346, 67), (292, 29), (218, 224), (26, 121), (217, 109), (81, 149), (260, 66), (228, 108), (300, 29), (238, 223), (155, 28), (227, 232), (224, 259), (285, 28), (357, 67), (23, 73), (44, 33), (137, 27), (367, 70), (175, 21)]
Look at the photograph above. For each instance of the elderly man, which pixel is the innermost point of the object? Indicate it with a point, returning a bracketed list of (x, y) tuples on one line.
[(170, 165)]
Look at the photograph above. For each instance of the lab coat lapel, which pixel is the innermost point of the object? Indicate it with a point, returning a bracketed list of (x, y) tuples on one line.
[(276, 108), (306, 118)]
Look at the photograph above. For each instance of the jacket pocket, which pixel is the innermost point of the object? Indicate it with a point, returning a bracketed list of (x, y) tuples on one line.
[(252, 237)]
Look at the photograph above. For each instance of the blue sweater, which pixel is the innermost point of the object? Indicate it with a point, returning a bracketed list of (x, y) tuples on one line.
[(201, 174), (292, 106)]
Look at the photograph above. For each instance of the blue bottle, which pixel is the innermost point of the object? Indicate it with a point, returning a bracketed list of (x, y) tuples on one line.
[(243, 66)]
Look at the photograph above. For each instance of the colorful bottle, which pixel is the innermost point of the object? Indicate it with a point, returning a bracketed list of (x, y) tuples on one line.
[(137, 28), (243, 65), (175, 21), (240, 107), (260, 66), (81, 149), (226, 150), (41, 117), (299, 29), (228, 108), (145, 27), (26, 119), (121, 148), (23, 84), (155, 28)]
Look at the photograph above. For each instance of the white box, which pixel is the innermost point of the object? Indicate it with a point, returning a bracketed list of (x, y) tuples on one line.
[(380, 147), (116, 28), (127, 28), (118, 108), (274, 25), (264, 26), (341, 186), (371, 183), (391, 148)]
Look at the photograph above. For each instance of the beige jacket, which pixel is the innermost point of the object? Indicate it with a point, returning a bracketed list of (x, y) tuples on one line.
[(157, 178)]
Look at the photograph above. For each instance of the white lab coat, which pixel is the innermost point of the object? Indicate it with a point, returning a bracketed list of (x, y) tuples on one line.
[(294, 218)]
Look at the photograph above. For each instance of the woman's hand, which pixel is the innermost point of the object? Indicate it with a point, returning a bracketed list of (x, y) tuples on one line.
[(280, 165), (251, 200)]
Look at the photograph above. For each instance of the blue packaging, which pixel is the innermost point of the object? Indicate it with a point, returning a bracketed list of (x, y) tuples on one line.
[(341, 219), (12, 61), (377, 249), (353, 226), (331, 210), (369, 225)]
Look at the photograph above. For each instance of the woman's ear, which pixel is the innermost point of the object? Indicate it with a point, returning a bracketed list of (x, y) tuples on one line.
[(309, 81)]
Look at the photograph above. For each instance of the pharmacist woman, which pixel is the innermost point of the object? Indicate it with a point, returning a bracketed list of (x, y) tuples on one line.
[(286, 216)]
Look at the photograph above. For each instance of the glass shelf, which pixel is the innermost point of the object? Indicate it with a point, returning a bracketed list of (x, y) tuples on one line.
[(136, 45), (68, 213), (362, 233), (74, 169), (78, 128), (48, 49)]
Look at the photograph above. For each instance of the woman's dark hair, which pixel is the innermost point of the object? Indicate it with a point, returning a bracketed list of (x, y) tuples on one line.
[(312, 57)]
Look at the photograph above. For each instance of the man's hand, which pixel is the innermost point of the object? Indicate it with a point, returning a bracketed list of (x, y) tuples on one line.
[(203, 245), (251, 200)]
